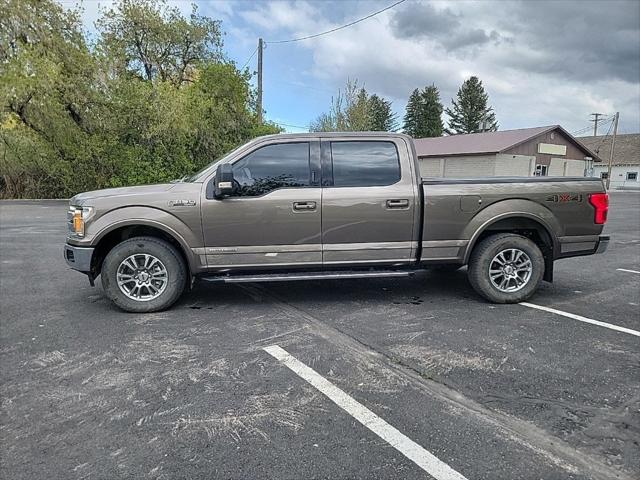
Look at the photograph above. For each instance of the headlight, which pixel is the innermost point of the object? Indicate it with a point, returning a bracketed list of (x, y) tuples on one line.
[(76, 218)]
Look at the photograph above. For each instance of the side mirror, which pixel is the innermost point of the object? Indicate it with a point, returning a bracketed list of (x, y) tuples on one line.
[(224, 184)]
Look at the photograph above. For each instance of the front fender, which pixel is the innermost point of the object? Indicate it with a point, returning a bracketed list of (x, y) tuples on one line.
[(187, 232), (512, 208)]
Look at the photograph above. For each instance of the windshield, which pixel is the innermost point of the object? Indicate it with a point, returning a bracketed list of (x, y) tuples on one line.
[(195, 176)]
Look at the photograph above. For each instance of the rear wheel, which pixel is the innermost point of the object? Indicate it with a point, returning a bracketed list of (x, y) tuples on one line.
[(143, 274), (506, 268)]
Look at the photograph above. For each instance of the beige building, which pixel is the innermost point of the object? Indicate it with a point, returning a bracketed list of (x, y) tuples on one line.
[(543, 151), (625, 167)]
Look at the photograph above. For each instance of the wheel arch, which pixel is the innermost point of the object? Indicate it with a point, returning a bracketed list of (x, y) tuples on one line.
[(522, 223), (117, 233)]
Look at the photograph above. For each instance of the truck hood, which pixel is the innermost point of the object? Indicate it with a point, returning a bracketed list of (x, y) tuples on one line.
[(126, 193)]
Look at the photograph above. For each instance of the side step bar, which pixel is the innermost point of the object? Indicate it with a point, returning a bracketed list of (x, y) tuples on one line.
[(290, 277)]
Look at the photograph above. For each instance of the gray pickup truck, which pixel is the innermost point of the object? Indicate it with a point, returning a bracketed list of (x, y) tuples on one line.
[(329, 206)]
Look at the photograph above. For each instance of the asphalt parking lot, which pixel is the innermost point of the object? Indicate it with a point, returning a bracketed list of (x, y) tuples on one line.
[(418, 366)]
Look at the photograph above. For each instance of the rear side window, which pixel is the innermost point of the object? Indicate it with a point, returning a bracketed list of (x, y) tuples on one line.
[(284, 165), (364, 164)]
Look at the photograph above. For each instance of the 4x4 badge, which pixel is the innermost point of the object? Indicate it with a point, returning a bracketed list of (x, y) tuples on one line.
[(565, 197)]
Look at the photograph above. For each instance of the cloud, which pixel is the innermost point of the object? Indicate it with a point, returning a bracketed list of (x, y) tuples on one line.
[(540, 65), (426, 22), (288, 16)]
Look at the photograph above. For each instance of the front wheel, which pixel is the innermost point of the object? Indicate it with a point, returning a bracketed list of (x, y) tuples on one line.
[(144, 274), (506, 268)]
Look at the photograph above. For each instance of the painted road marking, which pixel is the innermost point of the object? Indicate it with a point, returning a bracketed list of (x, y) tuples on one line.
[(583, 319), (410, 449), (625, 270)]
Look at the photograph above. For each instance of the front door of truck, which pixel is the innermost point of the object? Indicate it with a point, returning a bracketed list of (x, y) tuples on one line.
[(274, 220), (369, 202)]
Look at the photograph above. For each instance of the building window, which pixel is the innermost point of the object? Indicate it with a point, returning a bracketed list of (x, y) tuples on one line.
[(604, 175), (632, 176), (540, 171)]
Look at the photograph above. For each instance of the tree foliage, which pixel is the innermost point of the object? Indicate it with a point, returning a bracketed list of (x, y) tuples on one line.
[(423, 116), (156, 41), (354, 110), (152, 101), (471, 112)]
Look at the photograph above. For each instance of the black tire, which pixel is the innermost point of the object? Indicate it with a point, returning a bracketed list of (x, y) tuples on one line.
[(484, 253), (163, 251)]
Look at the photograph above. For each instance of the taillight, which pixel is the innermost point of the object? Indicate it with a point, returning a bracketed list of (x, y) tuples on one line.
[(600, 202)]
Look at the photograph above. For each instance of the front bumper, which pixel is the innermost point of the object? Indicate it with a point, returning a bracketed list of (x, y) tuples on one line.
[(78, 258)]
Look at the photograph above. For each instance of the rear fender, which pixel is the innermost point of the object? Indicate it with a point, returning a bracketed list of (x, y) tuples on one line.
[(514, 208)]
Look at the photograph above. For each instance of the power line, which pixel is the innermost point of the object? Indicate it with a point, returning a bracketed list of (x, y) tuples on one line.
[(601, 143), (608, 118), (292, 126), (582, 130), (341, 27), (247, 62)]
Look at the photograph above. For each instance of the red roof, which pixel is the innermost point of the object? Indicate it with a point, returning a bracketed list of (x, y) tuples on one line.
[(480, 143)]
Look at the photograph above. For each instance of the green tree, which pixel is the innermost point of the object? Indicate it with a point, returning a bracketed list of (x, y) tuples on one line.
[(471, 111), (46, 93), (412, 114), (354, 110), (430, 113), (382, 117), (150, 38), (423, 116), (77, 118)]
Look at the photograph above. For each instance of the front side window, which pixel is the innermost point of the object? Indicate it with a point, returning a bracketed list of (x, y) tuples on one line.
[(283, 165), (365, 164), (604, 175), (632, 175)]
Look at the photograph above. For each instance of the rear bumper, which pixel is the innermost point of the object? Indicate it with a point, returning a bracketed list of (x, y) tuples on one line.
[(78, 258), (603, 244), (583, 245)]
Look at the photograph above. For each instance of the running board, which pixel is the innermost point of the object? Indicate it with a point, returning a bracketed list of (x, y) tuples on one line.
[(290, 277)]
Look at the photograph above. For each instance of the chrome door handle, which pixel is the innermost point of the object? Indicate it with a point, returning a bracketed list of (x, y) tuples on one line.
[(304, 206), (398, 203)]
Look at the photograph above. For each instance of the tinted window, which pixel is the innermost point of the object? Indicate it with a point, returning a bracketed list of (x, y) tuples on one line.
[(364, 164), (272, 167)]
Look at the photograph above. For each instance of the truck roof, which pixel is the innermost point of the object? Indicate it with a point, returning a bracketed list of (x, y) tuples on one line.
[(336, 134)]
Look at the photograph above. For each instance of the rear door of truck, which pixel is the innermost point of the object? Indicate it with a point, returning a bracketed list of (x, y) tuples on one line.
[(370, 202)]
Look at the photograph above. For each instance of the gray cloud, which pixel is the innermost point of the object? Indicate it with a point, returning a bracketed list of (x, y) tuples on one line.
[(424, 21), (583, 41), (573, 40)]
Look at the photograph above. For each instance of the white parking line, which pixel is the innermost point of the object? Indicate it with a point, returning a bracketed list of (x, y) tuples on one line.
[(583, 319), (626, 270), (410, 449)]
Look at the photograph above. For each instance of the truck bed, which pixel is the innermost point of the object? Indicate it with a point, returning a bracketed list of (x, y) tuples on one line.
[(458, 211)]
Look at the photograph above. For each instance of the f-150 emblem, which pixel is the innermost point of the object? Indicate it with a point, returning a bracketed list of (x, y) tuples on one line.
[(182, 203)]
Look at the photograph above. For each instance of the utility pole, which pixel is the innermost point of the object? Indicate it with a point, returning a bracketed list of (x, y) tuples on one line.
[(595, 122), (613, 145), (259, 105)]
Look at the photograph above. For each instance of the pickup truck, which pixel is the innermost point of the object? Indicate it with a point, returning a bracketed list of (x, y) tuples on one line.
[(329, 206)]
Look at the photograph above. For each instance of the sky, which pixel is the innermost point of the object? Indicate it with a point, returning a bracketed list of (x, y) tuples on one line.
[(542, 62)]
